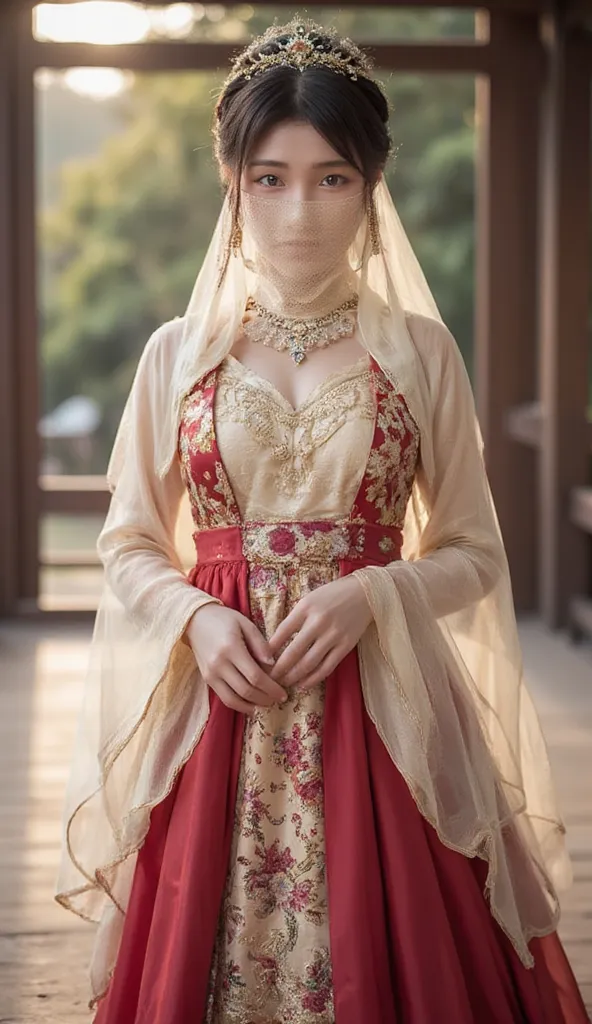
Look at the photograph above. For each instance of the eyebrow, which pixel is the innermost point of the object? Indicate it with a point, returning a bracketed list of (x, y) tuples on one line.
[(278, 163)]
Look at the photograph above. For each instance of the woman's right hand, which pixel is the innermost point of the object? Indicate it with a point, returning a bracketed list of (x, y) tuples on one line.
[(228, 649)]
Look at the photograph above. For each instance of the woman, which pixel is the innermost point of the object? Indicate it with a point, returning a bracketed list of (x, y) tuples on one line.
[(310, 784)]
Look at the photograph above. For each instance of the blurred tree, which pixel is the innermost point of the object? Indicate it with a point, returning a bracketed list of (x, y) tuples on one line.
[(365, 22), (123, 243)]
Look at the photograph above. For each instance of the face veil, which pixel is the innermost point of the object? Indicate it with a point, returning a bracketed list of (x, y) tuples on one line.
[(298, 251), (450, 706)]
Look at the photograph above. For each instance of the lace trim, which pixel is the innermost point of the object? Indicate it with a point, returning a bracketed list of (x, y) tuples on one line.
[(293, 435)]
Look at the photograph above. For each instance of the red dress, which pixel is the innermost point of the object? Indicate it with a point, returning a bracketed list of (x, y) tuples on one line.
[(364, 916)]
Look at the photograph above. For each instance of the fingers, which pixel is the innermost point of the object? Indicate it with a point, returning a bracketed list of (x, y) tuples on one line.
[(256, 642), (258, 680), (315, 631), (286, 629), (233, 665), (324, 669), (231, 699), (237, 682), (308, 663)]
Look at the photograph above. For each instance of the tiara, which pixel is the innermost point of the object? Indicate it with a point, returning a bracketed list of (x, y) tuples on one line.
[(301, 45)]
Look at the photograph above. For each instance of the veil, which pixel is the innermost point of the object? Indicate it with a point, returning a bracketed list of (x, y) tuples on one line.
[(440, 666)]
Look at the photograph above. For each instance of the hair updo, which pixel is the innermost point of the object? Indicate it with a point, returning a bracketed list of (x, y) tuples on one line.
[(352, 115)]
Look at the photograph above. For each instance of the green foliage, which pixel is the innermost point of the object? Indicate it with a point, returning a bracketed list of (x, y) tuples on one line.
[(364, 22), (124, 240), (123, 245)]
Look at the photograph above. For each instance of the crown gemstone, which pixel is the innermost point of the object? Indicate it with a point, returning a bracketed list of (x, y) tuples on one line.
[(302, 46)]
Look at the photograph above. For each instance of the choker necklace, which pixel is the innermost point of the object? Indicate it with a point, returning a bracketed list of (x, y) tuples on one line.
[(300, 336)]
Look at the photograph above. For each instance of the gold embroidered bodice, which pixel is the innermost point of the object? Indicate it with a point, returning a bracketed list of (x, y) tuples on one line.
[(294, 464)]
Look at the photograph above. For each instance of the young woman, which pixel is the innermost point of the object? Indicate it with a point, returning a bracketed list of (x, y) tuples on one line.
[(310, 785)]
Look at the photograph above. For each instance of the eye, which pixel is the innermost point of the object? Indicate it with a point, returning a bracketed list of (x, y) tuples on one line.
[(269, 181), (334, 180)]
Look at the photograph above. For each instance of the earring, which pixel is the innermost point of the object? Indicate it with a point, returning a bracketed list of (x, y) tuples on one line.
[(376, 247), (236, 239)]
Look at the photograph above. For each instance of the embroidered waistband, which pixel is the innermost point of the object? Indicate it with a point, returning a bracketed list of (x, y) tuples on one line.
[(311, 541)]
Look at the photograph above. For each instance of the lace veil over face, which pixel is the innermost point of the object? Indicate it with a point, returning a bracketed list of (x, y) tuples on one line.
[(455, 717)]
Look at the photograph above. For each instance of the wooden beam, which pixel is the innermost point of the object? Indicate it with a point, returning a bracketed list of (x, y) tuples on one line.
[(77, 495), (8, 500), (435, 56), (25, 320), (505, 360), (564, 314), (526, 6), (70, 560)]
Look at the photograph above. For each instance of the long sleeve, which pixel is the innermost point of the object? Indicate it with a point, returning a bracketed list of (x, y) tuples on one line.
[(145, 703), (459, 555), (136, 544), (441, 665)]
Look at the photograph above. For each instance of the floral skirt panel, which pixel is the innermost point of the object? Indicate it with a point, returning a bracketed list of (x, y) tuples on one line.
[(289, 877), (272, 959)]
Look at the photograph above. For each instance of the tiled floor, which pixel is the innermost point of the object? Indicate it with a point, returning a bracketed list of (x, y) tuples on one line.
[(44, 950)]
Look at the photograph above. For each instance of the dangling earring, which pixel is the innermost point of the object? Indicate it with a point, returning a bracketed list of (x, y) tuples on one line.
[(375, 245), (236, 239)]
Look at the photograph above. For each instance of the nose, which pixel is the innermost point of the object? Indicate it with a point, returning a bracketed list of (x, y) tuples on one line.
[(298, 213), (303, 193)]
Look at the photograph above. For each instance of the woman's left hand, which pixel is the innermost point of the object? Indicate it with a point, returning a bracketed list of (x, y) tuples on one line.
[(327, 623)]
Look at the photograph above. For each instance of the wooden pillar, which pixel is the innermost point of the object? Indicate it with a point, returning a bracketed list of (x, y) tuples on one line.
[(25, 319), (19, 446), (505, 357), (564, 315), (8, 486)]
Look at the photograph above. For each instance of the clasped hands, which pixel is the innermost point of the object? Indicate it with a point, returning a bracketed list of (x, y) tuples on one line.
[(247, 671)]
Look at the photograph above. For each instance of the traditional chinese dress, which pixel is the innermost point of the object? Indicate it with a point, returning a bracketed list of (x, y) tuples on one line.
[(289, 877)]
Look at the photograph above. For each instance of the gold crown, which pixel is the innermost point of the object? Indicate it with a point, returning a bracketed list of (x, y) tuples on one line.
[(301, 45)]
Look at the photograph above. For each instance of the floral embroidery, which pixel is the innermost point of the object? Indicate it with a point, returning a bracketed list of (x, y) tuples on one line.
[(317, 993), (210, 494), (272, 960), (293, 435), (304, 767), (272, 957), (314, 542), (392, 461)]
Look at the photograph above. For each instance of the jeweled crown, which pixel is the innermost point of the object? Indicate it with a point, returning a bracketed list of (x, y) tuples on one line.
[(301, 45)]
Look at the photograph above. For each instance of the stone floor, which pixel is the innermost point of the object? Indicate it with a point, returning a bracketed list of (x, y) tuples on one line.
[(44, 950)]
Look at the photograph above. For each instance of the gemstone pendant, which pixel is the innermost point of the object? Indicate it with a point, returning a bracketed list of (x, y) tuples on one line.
[(296, 351)]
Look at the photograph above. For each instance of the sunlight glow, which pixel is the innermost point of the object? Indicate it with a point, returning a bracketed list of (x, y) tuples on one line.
[(120, 21), (175, 21), (94, 21), (96, 83)]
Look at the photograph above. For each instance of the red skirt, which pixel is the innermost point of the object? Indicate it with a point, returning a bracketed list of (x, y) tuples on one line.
[(411, 934)]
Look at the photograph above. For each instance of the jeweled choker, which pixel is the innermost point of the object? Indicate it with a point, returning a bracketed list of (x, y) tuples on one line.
[(298, 336)]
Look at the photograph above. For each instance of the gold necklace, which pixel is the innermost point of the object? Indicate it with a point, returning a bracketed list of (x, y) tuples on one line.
[(300, 336)]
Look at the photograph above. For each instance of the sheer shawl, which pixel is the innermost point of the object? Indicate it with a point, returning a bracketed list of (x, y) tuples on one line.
[(440, 665)]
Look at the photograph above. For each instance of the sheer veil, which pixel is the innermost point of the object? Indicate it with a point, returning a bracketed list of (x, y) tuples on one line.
[(452, 708)]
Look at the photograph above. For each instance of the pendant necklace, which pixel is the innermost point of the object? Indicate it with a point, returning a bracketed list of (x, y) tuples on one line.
[(297, 336)]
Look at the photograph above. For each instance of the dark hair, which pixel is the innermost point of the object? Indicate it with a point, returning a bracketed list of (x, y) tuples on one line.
[(352, 115)]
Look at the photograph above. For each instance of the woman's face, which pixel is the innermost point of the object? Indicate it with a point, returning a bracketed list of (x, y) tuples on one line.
[(294, 162)]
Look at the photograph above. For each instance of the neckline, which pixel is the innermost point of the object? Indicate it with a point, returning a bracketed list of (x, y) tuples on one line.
[(352, 370)]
